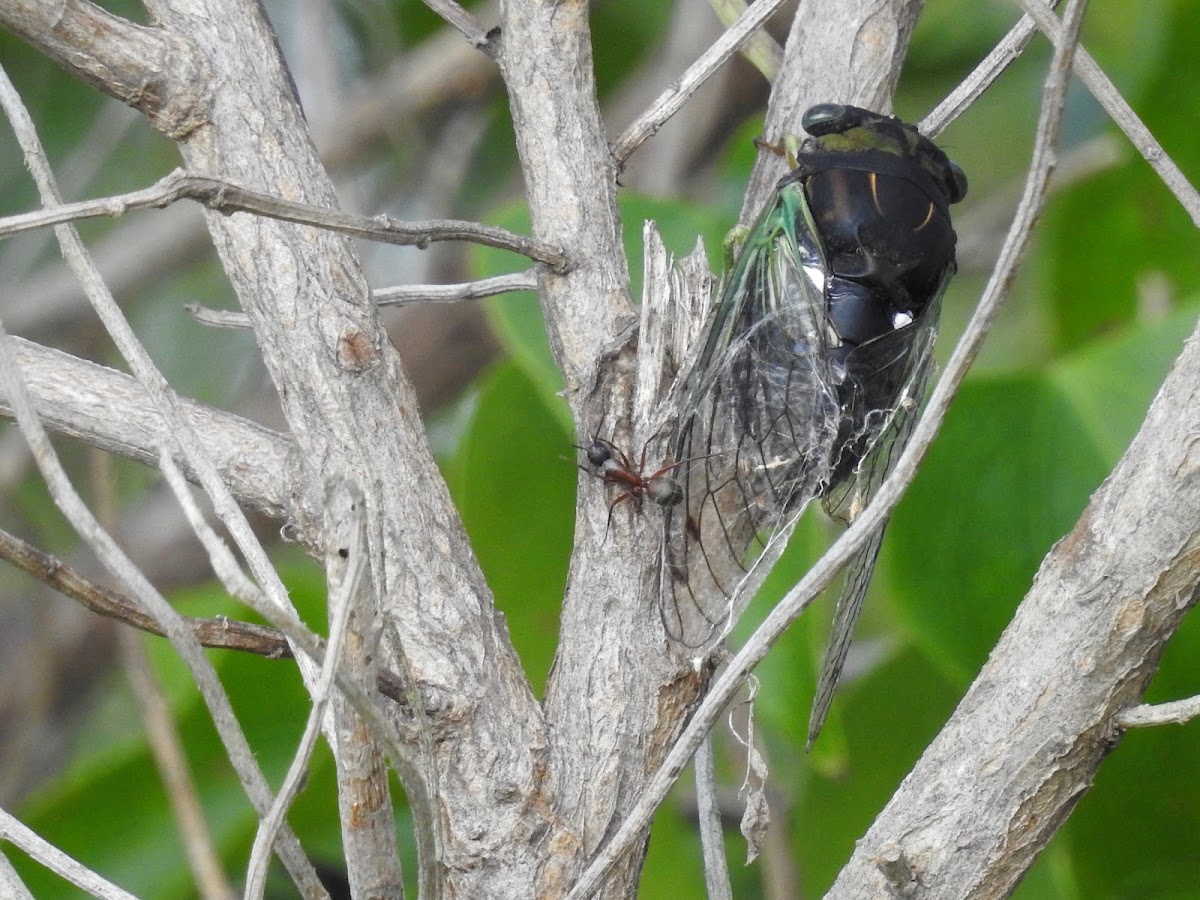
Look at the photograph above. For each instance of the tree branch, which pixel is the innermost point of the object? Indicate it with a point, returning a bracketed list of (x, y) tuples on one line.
[(674, 97), (219, 633), (150, 69), (226, 198), (111, 411), (1122, 113)]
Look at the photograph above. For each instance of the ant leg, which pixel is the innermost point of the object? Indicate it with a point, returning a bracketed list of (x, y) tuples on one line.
[(612, 506)]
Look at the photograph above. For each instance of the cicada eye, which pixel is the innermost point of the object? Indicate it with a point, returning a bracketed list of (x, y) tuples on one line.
[(824, 118), (957, 183)]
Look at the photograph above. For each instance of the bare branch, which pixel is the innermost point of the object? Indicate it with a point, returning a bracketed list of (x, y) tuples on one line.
[(349, 580), (65, 497), (712, 830), (545, 58), (364, 797), (150, 69), (673, 98), (762, 50), (111, 411), (1121, 112), (351, 408), (228, 198), (1145, 715), (472, 30), (220, 633), (402, 295), (20, 835), (971, 88), (166, 747), (11, 885)]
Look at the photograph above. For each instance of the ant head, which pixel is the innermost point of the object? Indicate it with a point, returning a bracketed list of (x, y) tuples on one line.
[(598, 452)]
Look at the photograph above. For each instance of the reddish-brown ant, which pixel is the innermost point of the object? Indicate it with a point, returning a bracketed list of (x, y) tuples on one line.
[(610, 464)]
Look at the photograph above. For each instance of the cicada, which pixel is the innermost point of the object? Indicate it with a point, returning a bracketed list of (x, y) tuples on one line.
[(814, 362)]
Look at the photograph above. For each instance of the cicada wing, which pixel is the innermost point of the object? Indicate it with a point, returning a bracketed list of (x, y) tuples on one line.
[(891, 375), (762, 418)]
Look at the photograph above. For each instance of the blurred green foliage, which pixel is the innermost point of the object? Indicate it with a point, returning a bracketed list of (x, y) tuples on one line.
[(1110, 292)]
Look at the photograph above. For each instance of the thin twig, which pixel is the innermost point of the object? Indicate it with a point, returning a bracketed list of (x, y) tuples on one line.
[(761, 50), (21, 835), (11, 885), (368, 821), (1177, 712), (712, 832), (219, 633), (65, 497), (278, 610), (406, 294), (971, 88), (471, 29), (672, 99), (872, 518), (166, 746), (225, 198), (401, 295), (345, 583), (1120, 111), (301, 638), (158, 721)]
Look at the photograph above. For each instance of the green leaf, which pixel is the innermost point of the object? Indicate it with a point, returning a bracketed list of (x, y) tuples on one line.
[(514, 483)]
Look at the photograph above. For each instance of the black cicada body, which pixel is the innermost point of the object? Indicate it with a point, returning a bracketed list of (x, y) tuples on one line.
[(816, 356)]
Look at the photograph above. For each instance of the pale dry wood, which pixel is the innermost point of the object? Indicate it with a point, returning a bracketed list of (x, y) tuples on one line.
[(226, 198), (1146, 715), (21, 835), (151, 69), (110, 410), (351, 409), (364, 797)]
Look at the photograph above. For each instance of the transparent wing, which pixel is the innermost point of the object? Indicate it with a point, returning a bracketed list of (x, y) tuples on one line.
[(891, 374), (763, 417)]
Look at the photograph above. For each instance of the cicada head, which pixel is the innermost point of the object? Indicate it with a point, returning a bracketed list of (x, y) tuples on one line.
[(851, 130)]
